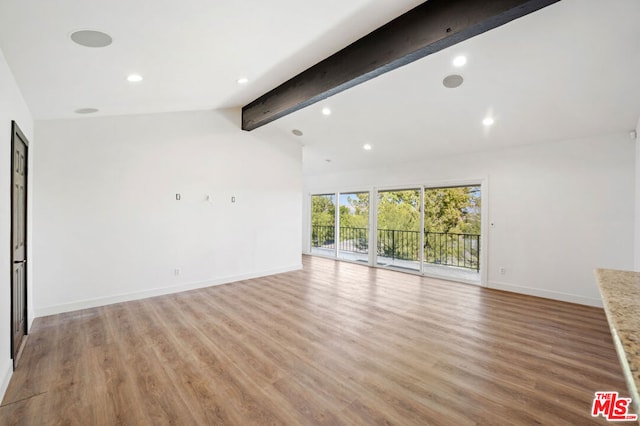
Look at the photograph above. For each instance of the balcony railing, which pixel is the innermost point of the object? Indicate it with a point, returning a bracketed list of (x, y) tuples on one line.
[(355, 240), (440, 248), (450, 249), (323, 236)]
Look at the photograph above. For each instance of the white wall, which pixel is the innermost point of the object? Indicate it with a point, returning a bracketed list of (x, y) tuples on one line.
[(636, 257), (12, 107), (107, 226), (560, 210)]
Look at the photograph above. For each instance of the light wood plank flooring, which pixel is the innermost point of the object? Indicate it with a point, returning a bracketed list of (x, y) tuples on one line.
[(335, 343)]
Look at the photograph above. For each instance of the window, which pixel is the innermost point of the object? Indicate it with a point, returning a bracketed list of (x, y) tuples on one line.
[(323, 220), (399, 229), (452, 218), (354, 227), (432, 230)]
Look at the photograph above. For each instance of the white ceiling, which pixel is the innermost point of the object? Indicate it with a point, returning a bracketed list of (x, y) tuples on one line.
[(568, 71), (190, 52)]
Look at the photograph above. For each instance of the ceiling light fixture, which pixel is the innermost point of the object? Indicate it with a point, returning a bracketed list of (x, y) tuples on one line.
[(86, 110), (134, 78), (242, 80), (91, 38), (326, 111), (459, 61), (297, 132), (367, 147), (452, 81), (488, 121)]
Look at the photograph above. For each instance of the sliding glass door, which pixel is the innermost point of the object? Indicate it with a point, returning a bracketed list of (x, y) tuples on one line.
[(452, 221), (398, 233), (323, 223), (354, 227), (432, 230)]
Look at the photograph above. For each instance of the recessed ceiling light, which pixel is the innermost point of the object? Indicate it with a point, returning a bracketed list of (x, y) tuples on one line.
[(367, 147), (328, 160), (459, 61), (90, 38), (297, 132), (326, 111), (243, 80), (488, 121), (452, 81), (134, 78), (86, 110)]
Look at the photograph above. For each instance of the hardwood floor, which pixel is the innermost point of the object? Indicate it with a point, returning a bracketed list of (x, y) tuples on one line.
[(335, 343)]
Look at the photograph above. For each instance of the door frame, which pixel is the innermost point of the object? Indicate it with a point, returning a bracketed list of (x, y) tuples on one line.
[(482, 181), (17, 133)]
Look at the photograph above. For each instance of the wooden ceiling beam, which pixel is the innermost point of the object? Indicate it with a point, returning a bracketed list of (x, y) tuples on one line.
[(426, 29)]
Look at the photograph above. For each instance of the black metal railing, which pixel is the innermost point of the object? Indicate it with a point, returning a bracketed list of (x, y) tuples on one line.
[(355, 240), (323, 236), (450, 249), (398, 244), (440, 248)]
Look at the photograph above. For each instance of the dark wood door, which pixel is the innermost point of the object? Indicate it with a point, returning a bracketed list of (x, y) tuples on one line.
[(19, 147)]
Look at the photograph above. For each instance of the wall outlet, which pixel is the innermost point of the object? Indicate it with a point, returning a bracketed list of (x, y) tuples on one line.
[(503, 270), (177, 271)]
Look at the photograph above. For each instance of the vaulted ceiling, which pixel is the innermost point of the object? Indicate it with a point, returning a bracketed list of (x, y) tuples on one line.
[(567, 71)]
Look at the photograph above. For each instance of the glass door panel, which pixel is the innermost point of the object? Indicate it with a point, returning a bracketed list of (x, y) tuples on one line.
[(452, 232), (354, 227), (398, 230), (323, 224)]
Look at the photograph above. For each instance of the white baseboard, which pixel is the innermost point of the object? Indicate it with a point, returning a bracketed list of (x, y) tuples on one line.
[(547, 294), (454, 279), (126, 297), (6, 374)]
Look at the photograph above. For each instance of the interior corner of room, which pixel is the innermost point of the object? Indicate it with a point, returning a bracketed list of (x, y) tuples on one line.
[(149, 186)]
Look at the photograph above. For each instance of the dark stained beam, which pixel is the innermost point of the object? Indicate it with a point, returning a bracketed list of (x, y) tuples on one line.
[(426, 29)]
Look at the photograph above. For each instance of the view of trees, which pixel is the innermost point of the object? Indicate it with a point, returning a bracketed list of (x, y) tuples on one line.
[(356, 213), (399, 224), (323, 217), (323, 210), (452, 210), (354, 220), (448, 211), (399, 210)]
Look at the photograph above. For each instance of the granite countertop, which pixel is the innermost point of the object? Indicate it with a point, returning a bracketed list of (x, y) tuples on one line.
[(620, 292)]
